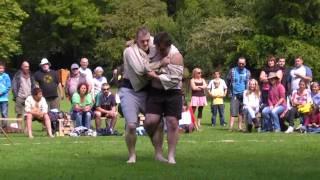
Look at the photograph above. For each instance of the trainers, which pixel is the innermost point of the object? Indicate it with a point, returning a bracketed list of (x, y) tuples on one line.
[(289, 130), (299, 127), (277, 130)]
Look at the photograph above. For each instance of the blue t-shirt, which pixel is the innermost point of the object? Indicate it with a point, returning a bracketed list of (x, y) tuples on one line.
[(239, 80), (5, 85)]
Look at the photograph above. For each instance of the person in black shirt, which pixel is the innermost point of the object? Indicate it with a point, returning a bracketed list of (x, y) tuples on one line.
[(48, 81)]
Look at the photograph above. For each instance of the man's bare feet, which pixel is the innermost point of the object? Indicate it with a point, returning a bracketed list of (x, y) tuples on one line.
[(132, 159), (171, 161), (160, 158)]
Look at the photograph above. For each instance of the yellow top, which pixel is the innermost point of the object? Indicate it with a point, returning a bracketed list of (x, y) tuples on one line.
[(217, 92)]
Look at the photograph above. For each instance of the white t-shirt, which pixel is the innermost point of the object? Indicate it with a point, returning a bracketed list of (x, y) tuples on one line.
[(88, 74), (222, 84), (295, 79), (30, 104), (185, 118), (97, 84)]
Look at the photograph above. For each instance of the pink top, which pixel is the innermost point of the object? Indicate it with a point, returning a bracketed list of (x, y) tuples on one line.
[(312, 118), (276, 93)]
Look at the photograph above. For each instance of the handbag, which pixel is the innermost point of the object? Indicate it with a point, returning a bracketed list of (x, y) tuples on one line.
[(305, 108)]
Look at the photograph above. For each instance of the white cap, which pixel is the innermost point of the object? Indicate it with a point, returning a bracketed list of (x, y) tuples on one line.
[(44, 61)]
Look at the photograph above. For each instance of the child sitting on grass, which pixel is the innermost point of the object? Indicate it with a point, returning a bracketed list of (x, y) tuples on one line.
[(187, 121), (312, 122)]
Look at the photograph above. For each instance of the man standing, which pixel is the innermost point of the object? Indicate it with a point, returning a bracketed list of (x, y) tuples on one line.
[(84, 63), (165, 98), (237, 79), (285, 73), (300, 71), (133, 89), (22, 85), (47, 80)]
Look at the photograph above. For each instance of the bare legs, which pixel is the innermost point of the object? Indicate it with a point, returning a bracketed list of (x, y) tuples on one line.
[(46, 120), (154, 127), (131, 139), (239, 122)]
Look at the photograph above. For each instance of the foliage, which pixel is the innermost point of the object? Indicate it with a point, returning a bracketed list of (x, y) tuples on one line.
[(121, 22), (61, 27), (11, 18)]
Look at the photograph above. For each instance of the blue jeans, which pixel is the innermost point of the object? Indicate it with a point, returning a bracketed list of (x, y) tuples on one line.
[(214, 110), (4, 112), (271, 118), (82, 119)]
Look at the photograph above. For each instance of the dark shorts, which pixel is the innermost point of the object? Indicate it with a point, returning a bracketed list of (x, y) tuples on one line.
[(53, 102), (162, 102)]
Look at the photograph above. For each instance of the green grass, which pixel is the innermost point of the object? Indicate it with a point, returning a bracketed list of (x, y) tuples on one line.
[(213, 153)]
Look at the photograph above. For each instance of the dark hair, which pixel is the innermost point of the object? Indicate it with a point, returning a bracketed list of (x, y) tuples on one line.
[(36, 91), (83, 84), (2, 64), (162, 38), (271, 58)]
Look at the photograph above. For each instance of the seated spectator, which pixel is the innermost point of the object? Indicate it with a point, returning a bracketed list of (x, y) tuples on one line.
[(98, 80), (251, 104), (106, 107), (312, 122), (187, 121), (81, 106), (315, 95), (36, 108), (276, 104), (299, 98)]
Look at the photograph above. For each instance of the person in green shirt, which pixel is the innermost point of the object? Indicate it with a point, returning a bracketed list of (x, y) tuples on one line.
[(81, 106)]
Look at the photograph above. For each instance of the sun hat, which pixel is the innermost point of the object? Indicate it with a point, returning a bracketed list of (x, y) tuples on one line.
[(273, 75), (44, 61)]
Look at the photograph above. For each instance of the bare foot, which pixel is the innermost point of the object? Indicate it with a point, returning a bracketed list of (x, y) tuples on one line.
[(52, 136), (160, 158), (132, 159), (31, 137), (172, 161)]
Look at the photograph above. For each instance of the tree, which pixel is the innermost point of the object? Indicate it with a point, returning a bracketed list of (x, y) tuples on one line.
[(11, 18), (63, 30), (121, 22)]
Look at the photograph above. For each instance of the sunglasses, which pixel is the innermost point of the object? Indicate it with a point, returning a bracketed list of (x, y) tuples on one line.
[(75, 69), (199, 72), (241, 64), (105, 89)]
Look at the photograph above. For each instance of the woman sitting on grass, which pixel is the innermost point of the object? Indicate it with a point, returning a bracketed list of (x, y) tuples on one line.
[(82, 104), (36, 108), (299, 97), (251, 104)]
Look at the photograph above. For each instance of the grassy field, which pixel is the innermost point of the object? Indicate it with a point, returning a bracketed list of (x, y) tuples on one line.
[(213, 153)]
